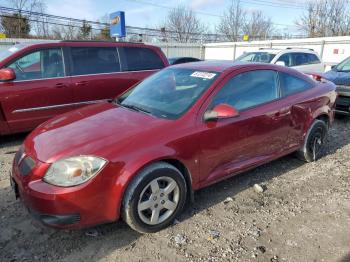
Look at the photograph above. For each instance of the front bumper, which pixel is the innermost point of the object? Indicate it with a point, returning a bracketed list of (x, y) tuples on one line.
[(56, 220), (89, 204)]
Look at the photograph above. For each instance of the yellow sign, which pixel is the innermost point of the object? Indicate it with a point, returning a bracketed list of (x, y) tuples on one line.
[(116, 20), (2, 35), (246, 38)]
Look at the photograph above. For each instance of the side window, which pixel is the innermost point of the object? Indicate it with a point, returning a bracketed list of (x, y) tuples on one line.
[(248, 90), (291, 85), (313, 59), (46, 63), (138, 58), (300, 59), (286, 58), (94, 60)]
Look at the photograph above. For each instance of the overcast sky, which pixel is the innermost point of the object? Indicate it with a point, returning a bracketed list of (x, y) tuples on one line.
[(150, 13)]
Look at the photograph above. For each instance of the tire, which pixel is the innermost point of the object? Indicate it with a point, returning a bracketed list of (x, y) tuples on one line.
[(314, 142), (146, 196)]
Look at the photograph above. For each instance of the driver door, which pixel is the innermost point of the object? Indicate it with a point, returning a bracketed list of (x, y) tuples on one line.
[(258, 134), (40, 91)]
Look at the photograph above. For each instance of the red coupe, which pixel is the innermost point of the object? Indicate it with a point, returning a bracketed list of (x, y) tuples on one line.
[(188, 126)]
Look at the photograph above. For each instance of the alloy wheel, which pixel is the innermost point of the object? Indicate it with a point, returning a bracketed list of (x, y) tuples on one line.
[(158, 200)]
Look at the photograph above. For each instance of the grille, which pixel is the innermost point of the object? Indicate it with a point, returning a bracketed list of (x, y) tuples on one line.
[(60, 219), (26, 166)]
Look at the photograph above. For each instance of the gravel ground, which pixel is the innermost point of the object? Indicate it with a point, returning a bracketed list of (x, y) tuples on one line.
[(302, 215)]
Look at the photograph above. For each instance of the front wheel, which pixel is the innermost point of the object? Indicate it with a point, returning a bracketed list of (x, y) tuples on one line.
[(314, 142), (154, 198)]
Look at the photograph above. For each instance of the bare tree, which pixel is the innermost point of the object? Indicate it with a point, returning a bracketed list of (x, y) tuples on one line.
[(21, 5), (325, 18), (15, 25), (183, 26), (40, 25), (85, 30), (56, 32), (15, 21), (257, 26), (70, 31), (233, 20), (103, 32)]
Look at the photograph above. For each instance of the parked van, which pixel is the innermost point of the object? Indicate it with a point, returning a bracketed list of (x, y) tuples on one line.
[(41, 80)]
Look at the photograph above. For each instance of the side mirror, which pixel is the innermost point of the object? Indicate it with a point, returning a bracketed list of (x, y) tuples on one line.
[(7, 74), (281, 63), (333, 67), (220, 111)]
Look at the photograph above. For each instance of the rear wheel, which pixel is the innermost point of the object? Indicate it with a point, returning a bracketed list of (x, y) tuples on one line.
[(314, 142), (154, 198)]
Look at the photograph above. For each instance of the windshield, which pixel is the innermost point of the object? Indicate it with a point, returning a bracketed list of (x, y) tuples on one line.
[(5, 53), (262, 57), (168, 93), (343, 66)]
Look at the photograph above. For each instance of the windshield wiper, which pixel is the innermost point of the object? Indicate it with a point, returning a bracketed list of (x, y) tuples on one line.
[(136, 108)]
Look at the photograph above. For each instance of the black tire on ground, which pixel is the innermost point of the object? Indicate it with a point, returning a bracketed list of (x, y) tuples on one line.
[(314, 141), (143, 201)]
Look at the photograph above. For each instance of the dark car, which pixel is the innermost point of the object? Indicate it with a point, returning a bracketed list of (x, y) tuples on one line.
[(340, 76), (41, 80), (181, 60), (184, 128)]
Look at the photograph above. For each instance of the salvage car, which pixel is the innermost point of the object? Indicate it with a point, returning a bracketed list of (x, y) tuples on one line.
[(340, 75), (186, 127), (41, 80)]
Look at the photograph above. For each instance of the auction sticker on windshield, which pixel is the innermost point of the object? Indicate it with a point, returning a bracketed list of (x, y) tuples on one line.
[(205, 75)]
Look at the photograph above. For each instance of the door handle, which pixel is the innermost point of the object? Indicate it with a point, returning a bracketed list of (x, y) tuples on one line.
[(60, 85), (81, 83), (278, 115)]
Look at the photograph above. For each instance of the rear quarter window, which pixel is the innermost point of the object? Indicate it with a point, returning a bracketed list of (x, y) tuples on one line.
[(300, 59), (313, 59), (138, 59), (292, 85)]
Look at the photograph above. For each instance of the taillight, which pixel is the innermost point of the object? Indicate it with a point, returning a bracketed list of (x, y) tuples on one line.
[(317, 77)]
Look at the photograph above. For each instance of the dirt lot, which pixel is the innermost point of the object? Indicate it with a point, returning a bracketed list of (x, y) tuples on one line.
[(303, 215)]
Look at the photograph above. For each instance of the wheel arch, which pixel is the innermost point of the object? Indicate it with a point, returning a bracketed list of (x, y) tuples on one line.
[(325, 118), (185, 172), (124, 181)]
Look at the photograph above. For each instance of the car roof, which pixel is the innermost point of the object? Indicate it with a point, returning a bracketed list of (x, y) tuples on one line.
[(287, 50), (43, 43), (216, 66), (267, 50)]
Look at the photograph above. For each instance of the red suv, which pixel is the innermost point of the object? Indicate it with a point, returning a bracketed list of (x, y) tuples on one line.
[(183, 128), (41, 80)]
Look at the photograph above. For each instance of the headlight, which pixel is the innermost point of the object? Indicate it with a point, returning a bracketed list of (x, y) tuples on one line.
[(74, 170)]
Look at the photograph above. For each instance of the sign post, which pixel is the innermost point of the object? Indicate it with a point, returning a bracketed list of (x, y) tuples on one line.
[(117, 27)]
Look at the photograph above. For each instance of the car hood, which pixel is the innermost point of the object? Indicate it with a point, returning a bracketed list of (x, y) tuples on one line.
[(338, 78), (100, 130)]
